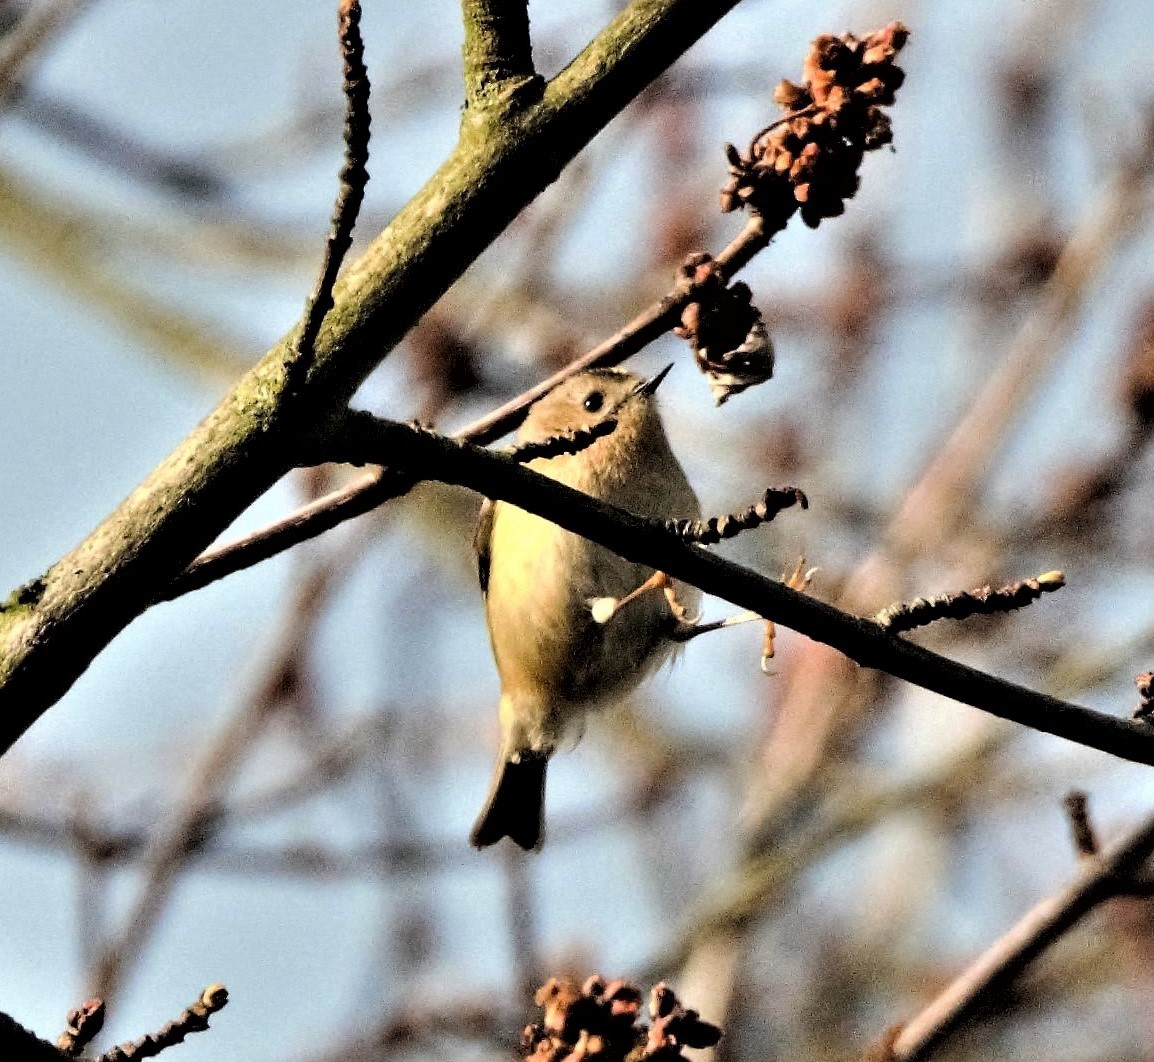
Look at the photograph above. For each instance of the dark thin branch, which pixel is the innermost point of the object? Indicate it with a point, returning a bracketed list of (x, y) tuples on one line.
[(1081, 828), (333, 509), (354, 176), (908, 615), (16, 1042), (649, 542), (1008, 957), (571, 442)]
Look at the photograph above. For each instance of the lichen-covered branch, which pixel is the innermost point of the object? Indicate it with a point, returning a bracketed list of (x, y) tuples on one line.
[(63, 619), (498, 54)]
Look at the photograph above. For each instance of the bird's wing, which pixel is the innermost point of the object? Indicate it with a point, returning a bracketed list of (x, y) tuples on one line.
[(482, 538)]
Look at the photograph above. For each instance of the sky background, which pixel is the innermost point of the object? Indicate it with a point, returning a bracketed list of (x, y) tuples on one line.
[(90, 404)]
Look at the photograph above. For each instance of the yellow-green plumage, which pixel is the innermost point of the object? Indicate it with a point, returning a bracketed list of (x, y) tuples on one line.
[(554, 661)]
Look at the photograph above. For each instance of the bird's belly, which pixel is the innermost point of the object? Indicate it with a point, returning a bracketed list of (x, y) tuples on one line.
[(547, 646)]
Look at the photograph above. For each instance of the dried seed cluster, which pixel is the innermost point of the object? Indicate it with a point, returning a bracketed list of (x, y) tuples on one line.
[(1145, 684), (809, 159), (729, 339), (599, 1021)]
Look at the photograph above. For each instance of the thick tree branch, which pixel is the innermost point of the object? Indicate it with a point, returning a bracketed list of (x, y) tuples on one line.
[(430, 456), (53, 627), (498, 53)]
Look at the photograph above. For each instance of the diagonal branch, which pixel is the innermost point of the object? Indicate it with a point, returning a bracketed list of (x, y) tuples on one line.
[(430, 456)]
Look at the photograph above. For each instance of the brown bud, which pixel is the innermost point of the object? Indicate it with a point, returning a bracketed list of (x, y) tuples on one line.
[(790, 96)]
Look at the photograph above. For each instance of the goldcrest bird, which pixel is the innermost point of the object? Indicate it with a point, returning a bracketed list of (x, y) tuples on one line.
[(554, 660)]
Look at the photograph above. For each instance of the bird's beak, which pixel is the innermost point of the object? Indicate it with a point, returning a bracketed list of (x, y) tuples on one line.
[(647, 387)]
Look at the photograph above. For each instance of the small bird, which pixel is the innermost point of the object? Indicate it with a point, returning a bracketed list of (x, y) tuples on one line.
[(555, 661)]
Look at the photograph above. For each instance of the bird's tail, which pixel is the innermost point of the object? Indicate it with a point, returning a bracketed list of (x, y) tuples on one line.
[(516, 804)]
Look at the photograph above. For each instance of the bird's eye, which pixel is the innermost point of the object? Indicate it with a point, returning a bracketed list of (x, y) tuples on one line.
[(594, 401)]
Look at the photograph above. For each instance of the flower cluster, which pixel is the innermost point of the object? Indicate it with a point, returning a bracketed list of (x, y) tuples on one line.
[(809, 159), (598, 1021), (730, 342)]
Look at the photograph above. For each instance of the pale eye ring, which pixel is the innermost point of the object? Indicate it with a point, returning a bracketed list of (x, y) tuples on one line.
[(594, 401)]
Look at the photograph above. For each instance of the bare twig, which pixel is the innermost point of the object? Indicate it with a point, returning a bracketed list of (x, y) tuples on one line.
[(709, 532), (353, 177), (908, 615), (1081, 828), (323, 514), (192, 1019), (571, 442)]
